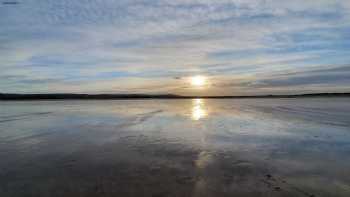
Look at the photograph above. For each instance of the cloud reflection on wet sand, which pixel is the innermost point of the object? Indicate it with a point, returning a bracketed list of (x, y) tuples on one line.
[(176, 148)]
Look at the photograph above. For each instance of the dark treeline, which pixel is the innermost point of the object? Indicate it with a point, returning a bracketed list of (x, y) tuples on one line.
[(149, 96)]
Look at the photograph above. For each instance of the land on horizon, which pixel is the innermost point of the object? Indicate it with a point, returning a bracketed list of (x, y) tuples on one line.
[(6, 96)]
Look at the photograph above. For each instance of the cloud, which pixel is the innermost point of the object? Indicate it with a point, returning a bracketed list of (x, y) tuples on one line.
[(97, 42), (335, 76)]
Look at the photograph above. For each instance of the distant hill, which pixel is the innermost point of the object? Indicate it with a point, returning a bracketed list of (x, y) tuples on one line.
[(4, 96)]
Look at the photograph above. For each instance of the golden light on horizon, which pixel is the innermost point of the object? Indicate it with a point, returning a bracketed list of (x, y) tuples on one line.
[(198, 81)]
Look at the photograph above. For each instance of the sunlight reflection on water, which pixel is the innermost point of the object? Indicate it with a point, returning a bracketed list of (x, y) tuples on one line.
[(199, 110), (198, 147)]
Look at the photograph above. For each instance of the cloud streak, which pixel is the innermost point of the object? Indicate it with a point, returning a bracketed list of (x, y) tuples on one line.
[(94, 45)]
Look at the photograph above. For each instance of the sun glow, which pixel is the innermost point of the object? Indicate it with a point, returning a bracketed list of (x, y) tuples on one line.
[(198, 81)]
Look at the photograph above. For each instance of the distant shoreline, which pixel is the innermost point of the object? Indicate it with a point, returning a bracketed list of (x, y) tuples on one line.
[(66, 96)]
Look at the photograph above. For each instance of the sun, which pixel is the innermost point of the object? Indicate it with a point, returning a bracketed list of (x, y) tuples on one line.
[(198, 81)]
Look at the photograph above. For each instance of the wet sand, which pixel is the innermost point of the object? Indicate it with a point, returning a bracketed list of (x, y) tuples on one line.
[(158, 148)]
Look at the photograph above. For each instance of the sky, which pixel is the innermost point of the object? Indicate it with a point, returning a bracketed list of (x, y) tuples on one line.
[(240, 47)]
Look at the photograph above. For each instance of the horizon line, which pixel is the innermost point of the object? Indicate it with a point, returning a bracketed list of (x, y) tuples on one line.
[(83, 96)]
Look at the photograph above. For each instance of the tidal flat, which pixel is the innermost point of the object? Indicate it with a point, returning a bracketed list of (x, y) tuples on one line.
[(182, 147)]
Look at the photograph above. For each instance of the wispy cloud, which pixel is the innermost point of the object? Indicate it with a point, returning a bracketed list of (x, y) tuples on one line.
[(123, 46)]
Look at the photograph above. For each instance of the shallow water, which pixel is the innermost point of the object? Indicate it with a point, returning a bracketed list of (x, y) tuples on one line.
[(247, 147)]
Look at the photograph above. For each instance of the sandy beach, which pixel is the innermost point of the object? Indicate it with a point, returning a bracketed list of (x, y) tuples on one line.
[(189, 147)]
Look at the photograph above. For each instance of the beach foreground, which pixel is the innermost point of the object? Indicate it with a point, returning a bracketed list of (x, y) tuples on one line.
[(185, 147)]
